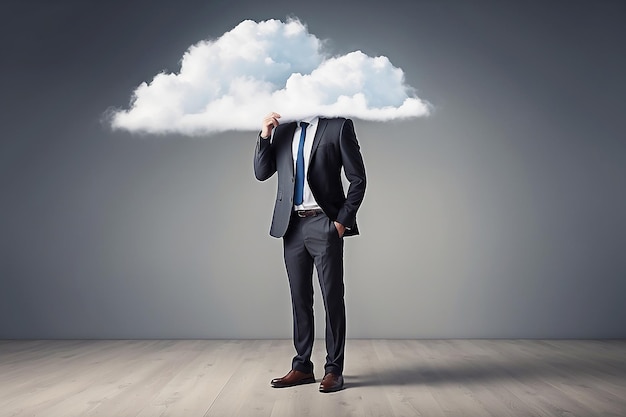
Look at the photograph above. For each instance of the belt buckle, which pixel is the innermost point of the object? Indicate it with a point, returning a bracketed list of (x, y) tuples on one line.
[(306, 213)]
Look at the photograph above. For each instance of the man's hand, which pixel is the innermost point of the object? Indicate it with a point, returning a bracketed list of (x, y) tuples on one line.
[(269, 123), (341, 229)]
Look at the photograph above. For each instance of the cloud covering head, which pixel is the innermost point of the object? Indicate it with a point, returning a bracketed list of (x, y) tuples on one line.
[(232, 82)]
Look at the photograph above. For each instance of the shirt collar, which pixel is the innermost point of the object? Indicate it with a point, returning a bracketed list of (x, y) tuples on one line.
[(311, 120)]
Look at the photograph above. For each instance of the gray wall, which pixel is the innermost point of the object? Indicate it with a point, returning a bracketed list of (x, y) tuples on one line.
[(501, 215)]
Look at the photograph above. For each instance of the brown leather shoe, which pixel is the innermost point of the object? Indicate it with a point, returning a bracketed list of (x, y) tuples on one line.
[(293, 378), (331, 383)]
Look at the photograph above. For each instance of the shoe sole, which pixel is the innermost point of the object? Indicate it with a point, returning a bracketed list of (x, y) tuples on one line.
[(331, 390), (301, 382)]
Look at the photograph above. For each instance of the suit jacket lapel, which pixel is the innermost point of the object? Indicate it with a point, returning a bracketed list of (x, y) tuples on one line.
[(287, 138), (318, 136)]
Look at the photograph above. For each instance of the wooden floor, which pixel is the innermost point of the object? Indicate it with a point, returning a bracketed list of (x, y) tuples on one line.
[(189, 378)]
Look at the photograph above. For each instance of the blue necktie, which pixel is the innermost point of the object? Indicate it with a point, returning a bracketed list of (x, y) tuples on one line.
[(299, 191)]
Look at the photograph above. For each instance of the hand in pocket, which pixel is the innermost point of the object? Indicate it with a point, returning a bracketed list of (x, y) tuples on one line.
[(341, 229)]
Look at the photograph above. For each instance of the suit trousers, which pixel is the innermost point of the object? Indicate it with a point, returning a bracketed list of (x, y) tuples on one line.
[(315, 241)]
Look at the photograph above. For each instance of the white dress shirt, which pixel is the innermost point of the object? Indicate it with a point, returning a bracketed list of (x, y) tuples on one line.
[(308, 201)]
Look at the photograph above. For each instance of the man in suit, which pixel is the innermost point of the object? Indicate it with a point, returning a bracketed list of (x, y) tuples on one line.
[(313, 214)]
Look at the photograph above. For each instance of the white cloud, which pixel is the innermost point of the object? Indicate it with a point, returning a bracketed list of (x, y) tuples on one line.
[(232, 82)]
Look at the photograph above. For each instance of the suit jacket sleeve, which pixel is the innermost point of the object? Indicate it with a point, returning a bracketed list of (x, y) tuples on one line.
[(264, 160), (354, 170)]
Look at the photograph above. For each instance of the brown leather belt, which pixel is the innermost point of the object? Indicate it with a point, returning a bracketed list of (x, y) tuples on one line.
[(309, 213)]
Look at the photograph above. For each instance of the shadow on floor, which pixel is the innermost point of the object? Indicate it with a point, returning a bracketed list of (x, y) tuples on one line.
[(471, 370)]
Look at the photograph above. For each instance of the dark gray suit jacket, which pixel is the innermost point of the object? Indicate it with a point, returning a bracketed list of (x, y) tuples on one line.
[(334, 146)]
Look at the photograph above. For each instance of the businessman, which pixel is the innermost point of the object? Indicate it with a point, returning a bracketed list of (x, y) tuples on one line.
[(312, 214)]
